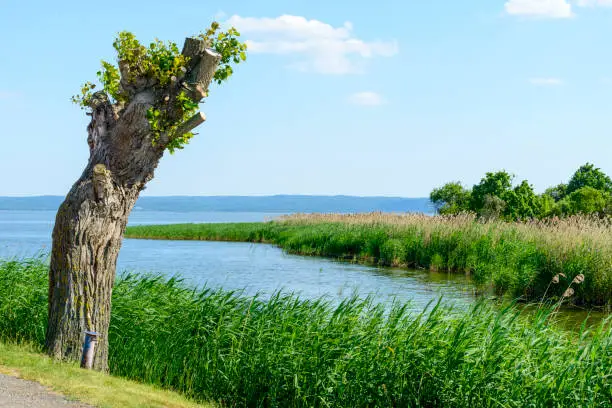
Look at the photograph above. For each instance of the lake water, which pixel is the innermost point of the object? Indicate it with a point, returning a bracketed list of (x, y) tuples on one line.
[(254, 268)]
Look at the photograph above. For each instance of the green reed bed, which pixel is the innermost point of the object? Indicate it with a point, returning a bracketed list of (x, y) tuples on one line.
[(517, 259), (243, 351)]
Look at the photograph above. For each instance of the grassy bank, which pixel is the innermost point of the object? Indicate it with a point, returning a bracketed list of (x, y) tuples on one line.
[(215, 345), (518, 259), (91, 387)]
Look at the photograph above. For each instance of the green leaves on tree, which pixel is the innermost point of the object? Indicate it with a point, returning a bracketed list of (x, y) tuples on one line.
[(161, 62), (160, 122), (589, 191), (109, 77), (589, 176), (230, 48), (451, 198), (84, 96)]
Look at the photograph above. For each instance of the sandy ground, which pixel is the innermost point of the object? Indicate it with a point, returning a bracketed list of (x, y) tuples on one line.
[(18, 393)]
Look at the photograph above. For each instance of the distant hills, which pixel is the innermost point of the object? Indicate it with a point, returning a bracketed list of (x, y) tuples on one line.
[(271, 204)]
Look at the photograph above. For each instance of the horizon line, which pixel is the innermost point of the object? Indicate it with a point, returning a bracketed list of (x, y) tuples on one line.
[(234, 196)]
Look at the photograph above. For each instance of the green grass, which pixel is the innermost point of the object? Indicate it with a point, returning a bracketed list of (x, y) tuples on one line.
[(215, 345), (517, 259), (91, 387)]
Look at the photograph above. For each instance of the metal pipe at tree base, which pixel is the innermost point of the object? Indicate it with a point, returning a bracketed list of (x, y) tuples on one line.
[(89, 349)]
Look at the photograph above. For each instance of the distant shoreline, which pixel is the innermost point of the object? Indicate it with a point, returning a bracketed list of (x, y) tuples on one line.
[(272, 204)]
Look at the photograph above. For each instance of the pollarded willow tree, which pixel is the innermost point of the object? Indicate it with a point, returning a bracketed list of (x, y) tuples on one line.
[(148, 105)]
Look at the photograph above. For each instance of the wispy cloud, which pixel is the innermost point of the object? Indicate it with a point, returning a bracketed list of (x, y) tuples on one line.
[(550, 8), (317, 46), (546, 81), (540, 8), (366, 99), (220, 15)]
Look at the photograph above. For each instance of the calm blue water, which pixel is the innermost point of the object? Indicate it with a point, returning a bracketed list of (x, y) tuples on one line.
[(254, 268)]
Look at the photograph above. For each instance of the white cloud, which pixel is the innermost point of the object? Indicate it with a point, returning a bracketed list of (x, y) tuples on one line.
[(540, 8), (594, 3), (546, 81), (319, 46), (366, 99)]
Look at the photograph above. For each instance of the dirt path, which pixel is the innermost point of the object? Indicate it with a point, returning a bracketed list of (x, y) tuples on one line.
[(17, 393)]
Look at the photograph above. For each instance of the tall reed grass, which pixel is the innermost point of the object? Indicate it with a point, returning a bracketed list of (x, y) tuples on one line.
[(241, 351), (518, 259)]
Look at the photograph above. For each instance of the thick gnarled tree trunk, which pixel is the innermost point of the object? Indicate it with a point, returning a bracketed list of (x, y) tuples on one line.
[(90, 222)]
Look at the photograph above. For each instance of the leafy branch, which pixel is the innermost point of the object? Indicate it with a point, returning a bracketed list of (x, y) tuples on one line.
[(230, 48), (160, 63)]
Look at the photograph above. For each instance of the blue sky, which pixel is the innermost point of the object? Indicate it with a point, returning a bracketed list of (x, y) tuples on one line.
[(344, 97)]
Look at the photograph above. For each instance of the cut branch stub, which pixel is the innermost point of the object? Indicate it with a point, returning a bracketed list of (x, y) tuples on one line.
[(133, 78), (190, 124), (192, 48), (97, 100), (202, 65), (125, 74)]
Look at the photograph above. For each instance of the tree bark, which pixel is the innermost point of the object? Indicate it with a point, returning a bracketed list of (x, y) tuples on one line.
[(89, 228), (86, 242), (90, 222)]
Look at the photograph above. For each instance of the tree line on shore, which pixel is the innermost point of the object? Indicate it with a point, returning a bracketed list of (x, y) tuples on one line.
[(588, 191)]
